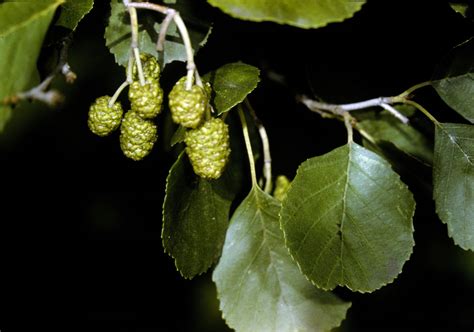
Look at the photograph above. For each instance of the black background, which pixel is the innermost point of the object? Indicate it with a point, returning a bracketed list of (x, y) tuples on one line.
[(81, 243)]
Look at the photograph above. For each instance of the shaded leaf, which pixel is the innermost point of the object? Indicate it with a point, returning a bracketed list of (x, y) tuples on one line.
[(453, 179), (460, 8), (259, 286), (118, 35), (23, 26), (178, 136), (303, 14), (454, 80), (73, 11), (386, 128), (231, 84), (347, 220), (195, 218)]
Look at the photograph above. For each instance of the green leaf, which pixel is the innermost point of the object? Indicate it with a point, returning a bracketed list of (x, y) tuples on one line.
[(23, 26), (178, 136), (453, 179), (73, 11), (347, 220), (386, 128), (118, 35), (454, 80), (231, 84), (5, 114), (259, 286), (302, 14), (195, 218)]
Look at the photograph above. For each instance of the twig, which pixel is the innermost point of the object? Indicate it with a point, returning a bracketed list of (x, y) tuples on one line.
[(40, 92), (341, 109), (160, 44), (191, 66), (50, 97), (147, 5), (395, 113)]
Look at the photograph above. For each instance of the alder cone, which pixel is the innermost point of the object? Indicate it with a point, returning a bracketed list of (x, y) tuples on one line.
[(188, 106), (282, 185), (150, 66), (137, 136), (102, 119), (208, 148), (146, 100)]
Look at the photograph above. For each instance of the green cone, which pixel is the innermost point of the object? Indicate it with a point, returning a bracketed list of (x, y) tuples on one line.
[(146, 100), (208, 148), (104, 119), (137, 136), (188, 107)]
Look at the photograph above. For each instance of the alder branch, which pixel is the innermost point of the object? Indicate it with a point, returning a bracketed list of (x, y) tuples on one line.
[(341, 109), (176, 17), (41, 92)]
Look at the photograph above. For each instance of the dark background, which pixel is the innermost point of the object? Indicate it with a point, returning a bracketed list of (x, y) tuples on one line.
[(81, 244)]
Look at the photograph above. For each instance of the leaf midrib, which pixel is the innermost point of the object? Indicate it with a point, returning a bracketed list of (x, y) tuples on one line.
[(456, 143), (266, 244)]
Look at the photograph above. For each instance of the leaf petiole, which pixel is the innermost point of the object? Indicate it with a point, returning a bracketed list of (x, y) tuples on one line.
[(248, 145)]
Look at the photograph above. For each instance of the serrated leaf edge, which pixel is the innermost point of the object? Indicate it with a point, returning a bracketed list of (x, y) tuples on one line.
[(283, 22), (384, 161), (175, 261), (223, 316)]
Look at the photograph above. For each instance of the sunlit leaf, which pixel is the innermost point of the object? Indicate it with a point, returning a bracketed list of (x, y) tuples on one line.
[(259, 286), (23, 26), (231, 84), (347, 220)]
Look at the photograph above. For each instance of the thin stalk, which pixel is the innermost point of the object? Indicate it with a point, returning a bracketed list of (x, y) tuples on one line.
[(348, 123), (117, 93), (248, 145), (134, 44), (191, 66), (409, 91), (423, 110), (267, 158)]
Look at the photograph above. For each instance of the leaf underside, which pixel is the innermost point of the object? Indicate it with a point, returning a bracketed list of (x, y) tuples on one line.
[(302, 14), (118, 33), (386, 128)]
